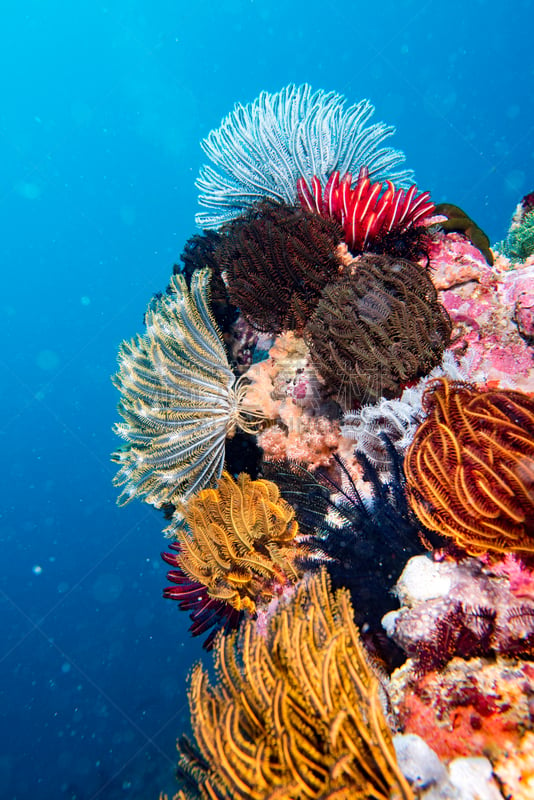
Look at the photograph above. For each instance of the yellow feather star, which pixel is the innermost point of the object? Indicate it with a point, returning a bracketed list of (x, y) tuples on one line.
[(238, 540), (296, 711)]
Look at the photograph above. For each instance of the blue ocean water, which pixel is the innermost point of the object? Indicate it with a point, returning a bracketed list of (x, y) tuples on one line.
[(102, 109)]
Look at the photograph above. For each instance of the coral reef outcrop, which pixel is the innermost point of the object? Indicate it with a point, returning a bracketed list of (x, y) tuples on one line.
[(470, 708), (332, 405), (450, 609)]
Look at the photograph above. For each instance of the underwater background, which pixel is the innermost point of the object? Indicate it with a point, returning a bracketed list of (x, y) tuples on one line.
[(103, 106)]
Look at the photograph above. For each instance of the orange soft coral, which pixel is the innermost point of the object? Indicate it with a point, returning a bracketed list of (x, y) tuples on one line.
[(312, 441), (286, 377), (470, 468)]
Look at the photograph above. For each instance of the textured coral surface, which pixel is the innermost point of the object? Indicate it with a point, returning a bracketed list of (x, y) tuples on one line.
[(490, 308), (450, 608), (475, 707)]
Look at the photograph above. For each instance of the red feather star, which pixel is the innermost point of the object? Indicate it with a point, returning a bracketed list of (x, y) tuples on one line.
[(366, 212)]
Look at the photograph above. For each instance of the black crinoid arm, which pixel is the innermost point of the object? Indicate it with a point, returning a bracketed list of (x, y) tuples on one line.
[(365, 542), (377, 330), (199, 252), (277, 258)]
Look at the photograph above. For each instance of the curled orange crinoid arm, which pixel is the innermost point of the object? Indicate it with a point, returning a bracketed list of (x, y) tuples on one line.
[(470, 468)]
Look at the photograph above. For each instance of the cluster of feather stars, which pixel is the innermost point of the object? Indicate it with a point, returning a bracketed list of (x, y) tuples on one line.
[(323, 236)]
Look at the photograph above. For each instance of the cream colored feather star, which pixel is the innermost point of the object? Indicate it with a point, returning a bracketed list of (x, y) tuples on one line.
[(179, 399)]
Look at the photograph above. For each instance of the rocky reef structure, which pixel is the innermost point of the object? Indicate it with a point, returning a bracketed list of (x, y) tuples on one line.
[(491, 309), (332, 405), (471, 709), (460, 609)]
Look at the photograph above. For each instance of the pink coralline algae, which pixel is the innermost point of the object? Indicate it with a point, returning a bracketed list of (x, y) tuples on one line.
[(519, 575), (492, 310), (519, 294), (471, 708), (455, 261)]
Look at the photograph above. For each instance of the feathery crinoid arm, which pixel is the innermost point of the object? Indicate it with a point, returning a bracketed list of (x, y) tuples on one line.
[(260, 150), (178, 402), (296, 711), (239, 541)]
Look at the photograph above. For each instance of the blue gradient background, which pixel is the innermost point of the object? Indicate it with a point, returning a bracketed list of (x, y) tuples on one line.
[(102, 110)]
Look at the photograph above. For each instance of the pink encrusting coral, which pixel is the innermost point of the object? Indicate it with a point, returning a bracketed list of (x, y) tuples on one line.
[(492, 310), (455, 261), (520, 575), (518, 294), (471, 708)]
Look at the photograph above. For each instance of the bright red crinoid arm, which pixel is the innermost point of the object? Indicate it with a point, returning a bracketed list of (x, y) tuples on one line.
[(207, 613), (366, 211), (330, 192), (310, 199)]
